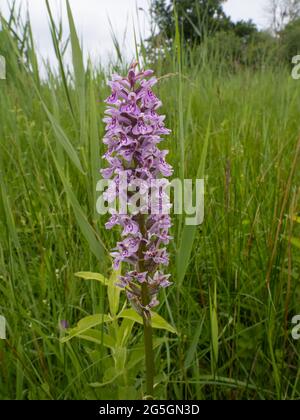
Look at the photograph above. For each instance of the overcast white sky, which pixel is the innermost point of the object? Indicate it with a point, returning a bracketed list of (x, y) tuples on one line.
[(248, 9), (91, 17)]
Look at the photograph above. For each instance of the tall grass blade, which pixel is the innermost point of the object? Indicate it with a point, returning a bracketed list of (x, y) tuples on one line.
[(79, 72), (189, 232), (96, 245)]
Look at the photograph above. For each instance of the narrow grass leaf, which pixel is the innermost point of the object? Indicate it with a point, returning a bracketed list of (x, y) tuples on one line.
[(95, 244), (189, 232), (79, 72)]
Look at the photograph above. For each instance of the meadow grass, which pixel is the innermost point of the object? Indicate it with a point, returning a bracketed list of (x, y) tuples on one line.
[(234, 333)]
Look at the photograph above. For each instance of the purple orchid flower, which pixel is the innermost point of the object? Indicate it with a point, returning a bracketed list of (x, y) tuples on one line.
[(133, 131)]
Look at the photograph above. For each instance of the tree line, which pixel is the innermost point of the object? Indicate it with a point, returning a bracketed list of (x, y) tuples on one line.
[(199, 21)]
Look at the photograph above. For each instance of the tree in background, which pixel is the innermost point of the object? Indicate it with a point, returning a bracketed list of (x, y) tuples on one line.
[(196, 18), (203, 20), (238, 42), (284, 19), (281, 13), (290, 40)]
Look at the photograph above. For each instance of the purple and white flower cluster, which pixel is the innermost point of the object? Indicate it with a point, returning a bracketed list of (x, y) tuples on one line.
[(133, 131)]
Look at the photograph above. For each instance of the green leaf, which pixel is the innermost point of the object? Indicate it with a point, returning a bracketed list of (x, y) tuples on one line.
[(86, 324), (120, 356), (137, 355), (86, 275), (111, 375), (97, 337), (92, 321), (158, 322), (124, 332), (113, 292)]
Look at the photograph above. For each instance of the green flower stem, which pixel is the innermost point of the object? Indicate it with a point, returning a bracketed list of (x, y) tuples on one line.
[(148, 334), (148, 341)]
